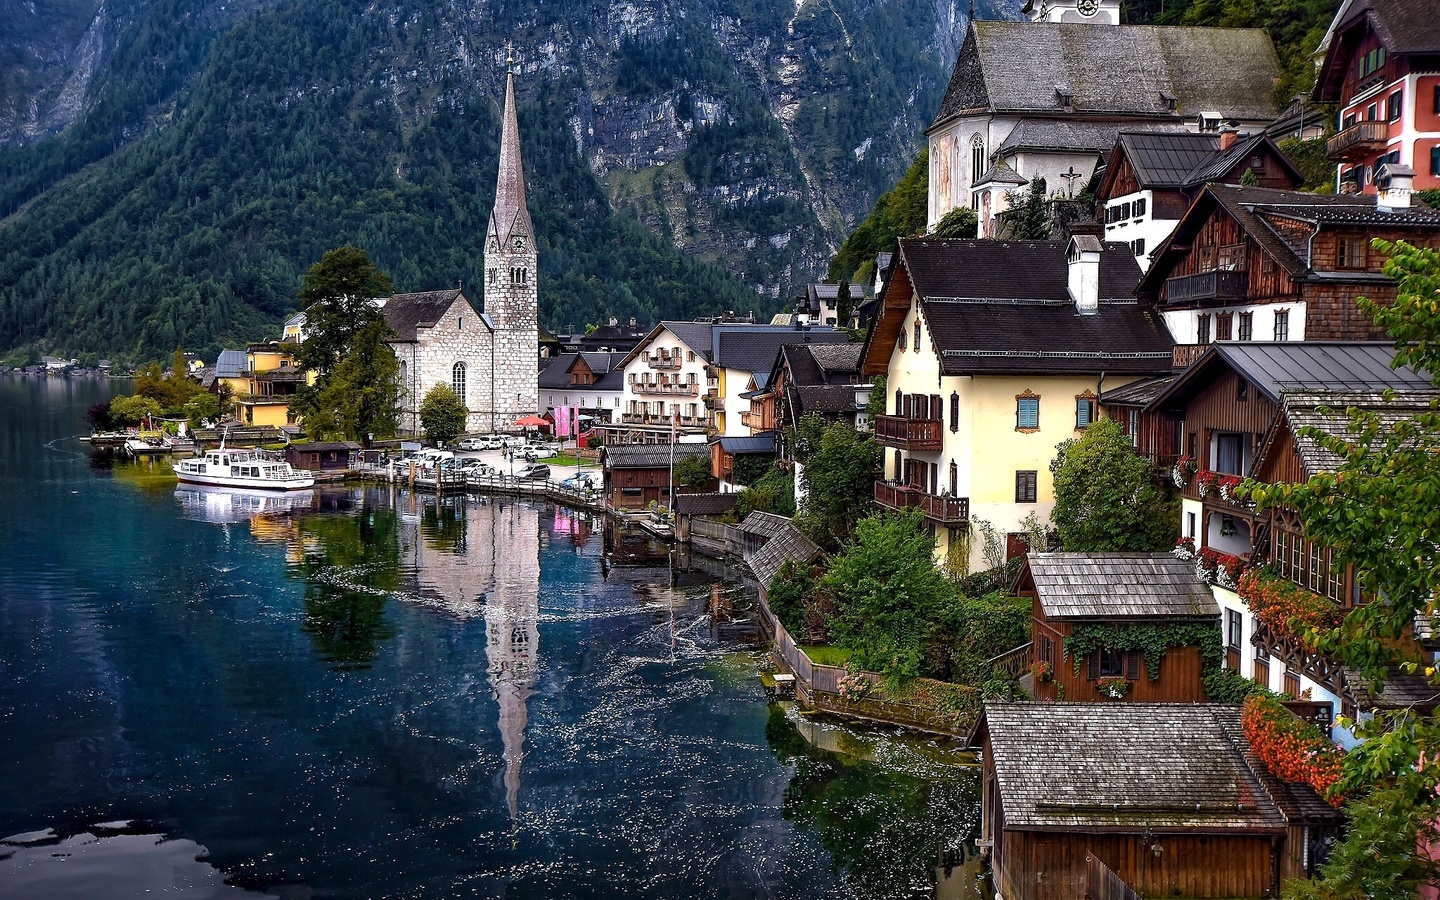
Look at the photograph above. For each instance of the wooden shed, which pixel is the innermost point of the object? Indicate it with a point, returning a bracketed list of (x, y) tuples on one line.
[(1071, 590), (638, 474), (322, 456), (1165, 795)]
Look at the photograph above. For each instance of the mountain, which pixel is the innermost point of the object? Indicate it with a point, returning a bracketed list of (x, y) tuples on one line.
[(169, 168)]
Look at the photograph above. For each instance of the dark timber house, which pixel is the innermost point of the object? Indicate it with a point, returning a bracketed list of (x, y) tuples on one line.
[(1071, 590), (1165, 795)]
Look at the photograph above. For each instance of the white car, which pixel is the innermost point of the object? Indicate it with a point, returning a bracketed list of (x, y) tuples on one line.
[(512, 440), (533, 452), (474, 465), (474, 443)]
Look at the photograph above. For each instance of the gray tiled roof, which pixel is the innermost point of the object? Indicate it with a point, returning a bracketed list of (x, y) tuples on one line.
[(704, 504), (1138, 393), (765, 524), (651, 456), (1137, 765), (1047, 134), (1117, 586), (785, 543), (753, 348), (407, 312), (755, 444), (1327, 411), (1110, 70)]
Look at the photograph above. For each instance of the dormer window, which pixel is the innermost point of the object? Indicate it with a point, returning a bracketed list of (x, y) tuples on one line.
[(1064, 97), (1171, 102)]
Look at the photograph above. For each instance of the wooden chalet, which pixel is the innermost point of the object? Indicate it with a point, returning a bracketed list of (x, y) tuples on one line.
[(322, 456), (1074, 589), (1167, 796), (725, 450), (637, 475), (1253, 264)]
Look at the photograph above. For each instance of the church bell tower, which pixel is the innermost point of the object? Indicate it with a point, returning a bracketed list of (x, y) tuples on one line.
[(511, 276)]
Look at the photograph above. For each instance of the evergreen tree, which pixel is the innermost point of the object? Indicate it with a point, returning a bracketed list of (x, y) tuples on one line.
[(844, 305), (360, 397), (839, 479), (338, 296), (1028, 218)]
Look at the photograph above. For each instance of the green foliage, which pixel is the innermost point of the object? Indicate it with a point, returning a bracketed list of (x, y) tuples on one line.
[(890, 598), (1229, 687), (1315, 167), (171, 391), (900, 211), (442, 414), (774, 492), (750, 468), (1431, 197), (805, 436), (788, 595), (347, 624), (1106, 498), (844, 304), (692, 472), (201, 407), (338, 295), (1028, 217), (133, 410), (875, 405), (960, 222), (839, 483), (360, 397), (985, 628), (1151, 640)]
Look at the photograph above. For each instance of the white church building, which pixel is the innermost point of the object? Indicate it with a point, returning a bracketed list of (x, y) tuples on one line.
[(489, 354)]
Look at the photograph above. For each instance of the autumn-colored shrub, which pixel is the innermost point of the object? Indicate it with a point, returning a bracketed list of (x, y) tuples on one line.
[(1293, 751), (1288, 610)]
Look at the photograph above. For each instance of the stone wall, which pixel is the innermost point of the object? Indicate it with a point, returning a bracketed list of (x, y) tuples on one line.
[(511, 301), (460, 336)]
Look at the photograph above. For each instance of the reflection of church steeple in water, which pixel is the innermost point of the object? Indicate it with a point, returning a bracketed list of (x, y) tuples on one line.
[(512, 634)]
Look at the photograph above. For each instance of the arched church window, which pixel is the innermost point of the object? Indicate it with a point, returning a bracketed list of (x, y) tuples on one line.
[(457, 380), (977, 160)]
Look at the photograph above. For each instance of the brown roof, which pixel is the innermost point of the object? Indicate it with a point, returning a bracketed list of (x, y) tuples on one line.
[(407, 312), (786, 544), (705, 504), (1328, 412), (1116, 586), (1403, 26), (1161, 766)]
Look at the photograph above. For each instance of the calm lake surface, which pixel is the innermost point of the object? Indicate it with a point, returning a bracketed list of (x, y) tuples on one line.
[(362, 693)]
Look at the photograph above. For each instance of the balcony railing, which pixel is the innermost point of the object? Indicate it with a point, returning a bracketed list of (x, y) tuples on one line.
[(662, 419), (663, 362), (714, 402), (1359, 140), (1185, 354), (1222, 286), (671, 390), (941, 510), (918, 435)]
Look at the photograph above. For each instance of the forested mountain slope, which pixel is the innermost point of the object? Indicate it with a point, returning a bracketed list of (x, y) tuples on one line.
[(683, 156)]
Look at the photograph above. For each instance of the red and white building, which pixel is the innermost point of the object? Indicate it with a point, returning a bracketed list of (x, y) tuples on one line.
[(1382, 69)]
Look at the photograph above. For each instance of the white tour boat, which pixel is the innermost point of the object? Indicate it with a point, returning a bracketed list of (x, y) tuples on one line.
[(242, 469)]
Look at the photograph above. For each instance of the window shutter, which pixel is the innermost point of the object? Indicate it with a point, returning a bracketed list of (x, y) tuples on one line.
[(954, 411), (1132, 665), (1092, 665), (936, 408)]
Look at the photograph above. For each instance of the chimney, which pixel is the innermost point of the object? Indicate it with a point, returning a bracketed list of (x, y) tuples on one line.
[(1083, 258), (1394, 181), (615, 321), (632, 321), (1228, 136)]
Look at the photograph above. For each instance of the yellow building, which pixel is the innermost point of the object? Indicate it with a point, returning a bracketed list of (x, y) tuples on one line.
[(270, 380), (994, 352)]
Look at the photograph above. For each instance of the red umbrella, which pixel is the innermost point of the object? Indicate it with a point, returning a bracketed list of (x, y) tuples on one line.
[(531, 421)]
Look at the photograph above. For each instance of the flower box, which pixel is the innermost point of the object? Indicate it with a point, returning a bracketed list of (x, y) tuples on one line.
[(1115, 687), (1288, 610), (1292, 750), (1185, 549), (1204, 482)]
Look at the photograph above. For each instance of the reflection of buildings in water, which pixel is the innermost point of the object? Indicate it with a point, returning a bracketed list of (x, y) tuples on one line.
[(573, 524), (482, 557)]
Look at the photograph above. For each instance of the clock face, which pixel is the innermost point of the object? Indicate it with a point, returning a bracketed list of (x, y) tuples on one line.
[(1088, 7), (519, 243)]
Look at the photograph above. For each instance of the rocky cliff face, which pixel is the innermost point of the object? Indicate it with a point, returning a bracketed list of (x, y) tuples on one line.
[(750, 134)]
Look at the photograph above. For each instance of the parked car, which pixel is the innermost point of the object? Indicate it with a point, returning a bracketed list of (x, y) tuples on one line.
[(533, 452), (533, 470), (474, 465), (473, 443), (582, 481), (512, 440)]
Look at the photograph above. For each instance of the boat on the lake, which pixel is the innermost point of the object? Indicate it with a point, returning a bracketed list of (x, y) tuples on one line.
[(254, 469), (146, 443)]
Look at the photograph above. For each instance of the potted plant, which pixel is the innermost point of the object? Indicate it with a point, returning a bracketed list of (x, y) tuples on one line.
[(1227, 484), (1114, 687), (1042, 670), (1185, 548), (1181, 473), (1204, 481)]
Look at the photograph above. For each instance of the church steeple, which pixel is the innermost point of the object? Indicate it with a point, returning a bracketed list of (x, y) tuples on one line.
[(511, 217)]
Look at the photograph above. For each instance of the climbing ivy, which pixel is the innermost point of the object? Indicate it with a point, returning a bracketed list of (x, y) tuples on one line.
[(1151, 640)]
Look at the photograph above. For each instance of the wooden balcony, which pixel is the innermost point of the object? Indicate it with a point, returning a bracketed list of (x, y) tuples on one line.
[(1222, 287), (915, 435), (663, 362), (1361, 140), (1185, 354), (940, 510), (668, 390), (714, 402)]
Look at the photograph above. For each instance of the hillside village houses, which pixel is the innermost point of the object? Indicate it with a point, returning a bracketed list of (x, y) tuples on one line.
[(1048, 98)]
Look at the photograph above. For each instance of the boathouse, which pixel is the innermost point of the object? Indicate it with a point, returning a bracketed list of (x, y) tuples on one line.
[(1165, 796), (322, 456), (1079, 596)]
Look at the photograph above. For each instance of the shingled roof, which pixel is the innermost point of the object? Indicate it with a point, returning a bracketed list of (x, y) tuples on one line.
[(1264, 213), (1118, 586), (783, 542), (1004, 306), (407, 312), (1328, 412), (1047, 134), (651, 456), (1404, 26), (1108, 70), (1162, 766)]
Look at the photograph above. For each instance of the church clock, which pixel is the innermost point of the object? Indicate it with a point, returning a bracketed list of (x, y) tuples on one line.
[(1088, 7)]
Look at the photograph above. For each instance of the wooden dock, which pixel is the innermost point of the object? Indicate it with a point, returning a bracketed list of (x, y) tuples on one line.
[(448, 482)]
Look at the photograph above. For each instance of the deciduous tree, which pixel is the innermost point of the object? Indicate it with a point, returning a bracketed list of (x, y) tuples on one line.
[(839, 477), (442, 414), (1105, 495), (360, 397)]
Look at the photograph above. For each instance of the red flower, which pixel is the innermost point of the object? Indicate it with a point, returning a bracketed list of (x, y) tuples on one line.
[(1292, 750)]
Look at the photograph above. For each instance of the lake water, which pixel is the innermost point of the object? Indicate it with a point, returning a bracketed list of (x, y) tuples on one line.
[(364, 693)]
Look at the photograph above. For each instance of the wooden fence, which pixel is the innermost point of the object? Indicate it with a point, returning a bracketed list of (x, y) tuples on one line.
[(728, 536), (1013, 662)]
